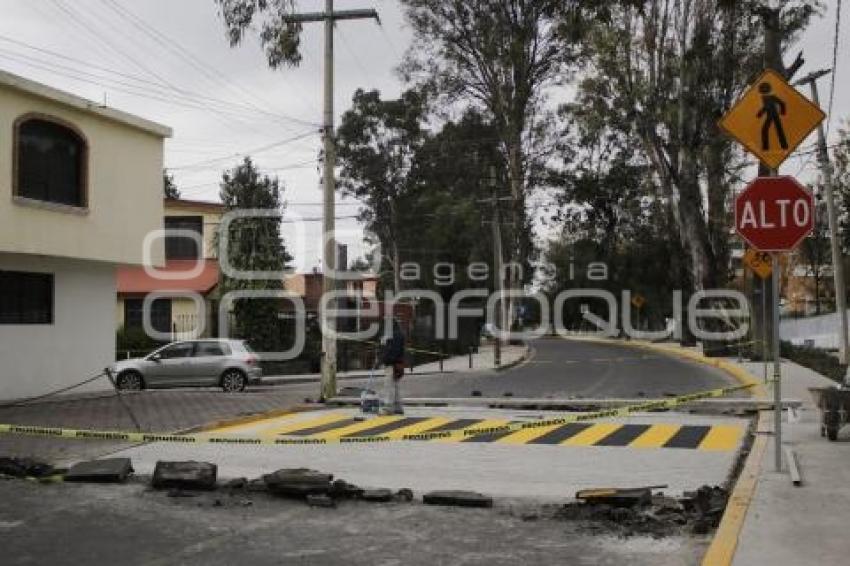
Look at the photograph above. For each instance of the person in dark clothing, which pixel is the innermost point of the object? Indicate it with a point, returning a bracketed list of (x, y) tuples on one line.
[(393, 359)]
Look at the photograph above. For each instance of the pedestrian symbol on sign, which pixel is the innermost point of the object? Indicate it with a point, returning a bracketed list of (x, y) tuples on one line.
[(771, 119), (773, 107)]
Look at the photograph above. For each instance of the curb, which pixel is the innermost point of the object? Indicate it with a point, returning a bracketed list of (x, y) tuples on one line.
[(721, 551), (741, 375), (526, 357)]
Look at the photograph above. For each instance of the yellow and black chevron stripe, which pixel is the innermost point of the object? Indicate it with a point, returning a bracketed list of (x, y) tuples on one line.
[(342, 427)]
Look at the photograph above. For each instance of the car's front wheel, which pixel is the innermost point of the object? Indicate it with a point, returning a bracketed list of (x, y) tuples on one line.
[(130, 381), (233, 381)]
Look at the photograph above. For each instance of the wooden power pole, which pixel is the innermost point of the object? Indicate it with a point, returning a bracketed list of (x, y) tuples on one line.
[(329, 17)]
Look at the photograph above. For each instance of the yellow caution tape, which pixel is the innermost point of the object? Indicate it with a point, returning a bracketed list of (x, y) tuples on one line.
[(203, 438)]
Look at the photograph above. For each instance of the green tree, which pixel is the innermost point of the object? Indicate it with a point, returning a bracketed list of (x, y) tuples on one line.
[(664, 72), (612, 214), (501, 57), (841, 182), (254, 244), (279, 37), (169, 186), (815, 253), (376, 142)]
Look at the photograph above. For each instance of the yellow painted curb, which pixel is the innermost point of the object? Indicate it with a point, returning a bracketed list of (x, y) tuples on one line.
[(721, 552)]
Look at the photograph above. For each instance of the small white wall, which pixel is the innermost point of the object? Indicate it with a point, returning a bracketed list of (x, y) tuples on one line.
[(821, 330), (36, 359)]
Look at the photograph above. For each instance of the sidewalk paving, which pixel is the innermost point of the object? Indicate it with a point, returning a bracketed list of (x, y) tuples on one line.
[(156, 411), (787, 525), (483, 359)]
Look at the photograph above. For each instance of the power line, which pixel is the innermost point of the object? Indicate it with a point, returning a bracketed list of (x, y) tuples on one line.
[(160, 93), (187, 56), (104, 40), (244, 153)]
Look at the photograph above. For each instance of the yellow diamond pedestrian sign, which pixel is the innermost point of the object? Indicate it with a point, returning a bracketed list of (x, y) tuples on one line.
[(759, 262), (771, 119), (638, 301)]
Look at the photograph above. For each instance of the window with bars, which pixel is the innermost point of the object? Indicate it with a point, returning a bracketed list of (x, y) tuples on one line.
[(182, 247), (160, 314), (50, 162)]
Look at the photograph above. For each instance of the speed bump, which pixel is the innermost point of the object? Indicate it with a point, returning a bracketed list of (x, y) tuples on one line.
[(606, 434)]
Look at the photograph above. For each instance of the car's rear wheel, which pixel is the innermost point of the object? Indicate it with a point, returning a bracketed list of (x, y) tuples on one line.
[(130, 381), (233, 381)]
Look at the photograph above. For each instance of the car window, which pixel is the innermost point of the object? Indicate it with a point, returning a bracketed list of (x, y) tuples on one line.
[(183, 350), (212, 349)]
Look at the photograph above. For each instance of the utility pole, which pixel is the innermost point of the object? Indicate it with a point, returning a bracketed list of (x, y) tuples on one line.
[(837, 260), (329, 17), (497, 276)]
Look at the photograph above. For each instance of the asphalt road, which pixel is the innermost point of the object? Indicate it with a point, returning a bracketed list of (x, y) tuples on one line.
[(561, 368)]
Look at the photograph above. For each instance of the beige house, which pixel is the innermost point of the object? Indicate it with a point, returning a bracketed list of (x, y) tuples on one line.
[(80, 188), (173, 313)]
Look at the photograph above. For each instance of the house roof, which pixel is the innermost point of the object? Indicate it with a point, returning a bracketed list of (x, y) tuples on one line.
[(193, 204), (40, 90), (135, 280)]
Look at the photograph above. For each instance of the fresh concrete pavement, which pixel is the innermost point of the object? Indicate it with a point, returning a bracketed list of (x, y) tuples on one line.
[(509, 467)]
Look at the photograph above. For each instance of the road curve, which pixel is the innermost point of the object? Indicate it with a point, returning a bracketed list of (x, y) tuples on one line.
[(570, 368)]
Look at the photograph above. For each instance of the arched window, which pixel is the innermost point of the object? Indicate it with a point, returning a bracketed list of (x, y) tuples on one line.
[(50, 161)]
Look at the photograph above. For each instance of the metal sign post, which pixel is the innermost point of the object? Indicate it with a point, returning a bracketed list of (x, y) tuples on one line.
[(764, 325), (761, 264), (777, 368)]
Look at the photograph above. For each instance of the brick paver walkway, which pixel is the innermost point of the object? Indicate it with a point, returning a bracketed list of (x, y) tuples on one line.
[(156, 411)]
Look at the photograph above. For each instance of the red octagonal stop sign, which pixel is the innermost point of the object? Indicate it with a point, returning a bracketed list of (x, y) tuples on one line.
[(774, 214)]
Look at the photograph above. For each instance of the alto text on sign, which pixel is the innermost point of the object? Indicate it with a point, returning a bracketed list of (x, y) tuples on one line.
[(774, 214)]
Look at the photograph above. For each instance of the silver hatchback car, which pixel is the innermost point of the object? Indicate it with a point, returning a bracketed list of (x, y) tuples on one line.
[(229, 364)]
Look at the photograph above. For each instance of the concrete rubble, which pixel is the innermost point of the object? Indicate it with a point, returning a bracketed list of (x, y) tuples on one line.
[(457, 498), (635, 512), (108, 470), (25, 467), (185, 475), (298, 482)]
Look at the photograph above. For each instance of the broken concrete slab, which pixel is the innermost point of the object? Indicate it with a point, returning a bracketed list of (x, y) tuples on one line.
[(24, 467), (320, 500), (457, 498), (298, 482), (237, 483), (617, 497), (404, 494), (380, 495), (108, 470), (185, 475), (341, 489)]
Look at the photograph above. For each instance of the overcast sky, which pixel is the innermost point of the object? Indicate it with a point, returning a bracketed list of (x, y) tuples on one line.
[(232, 104)]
